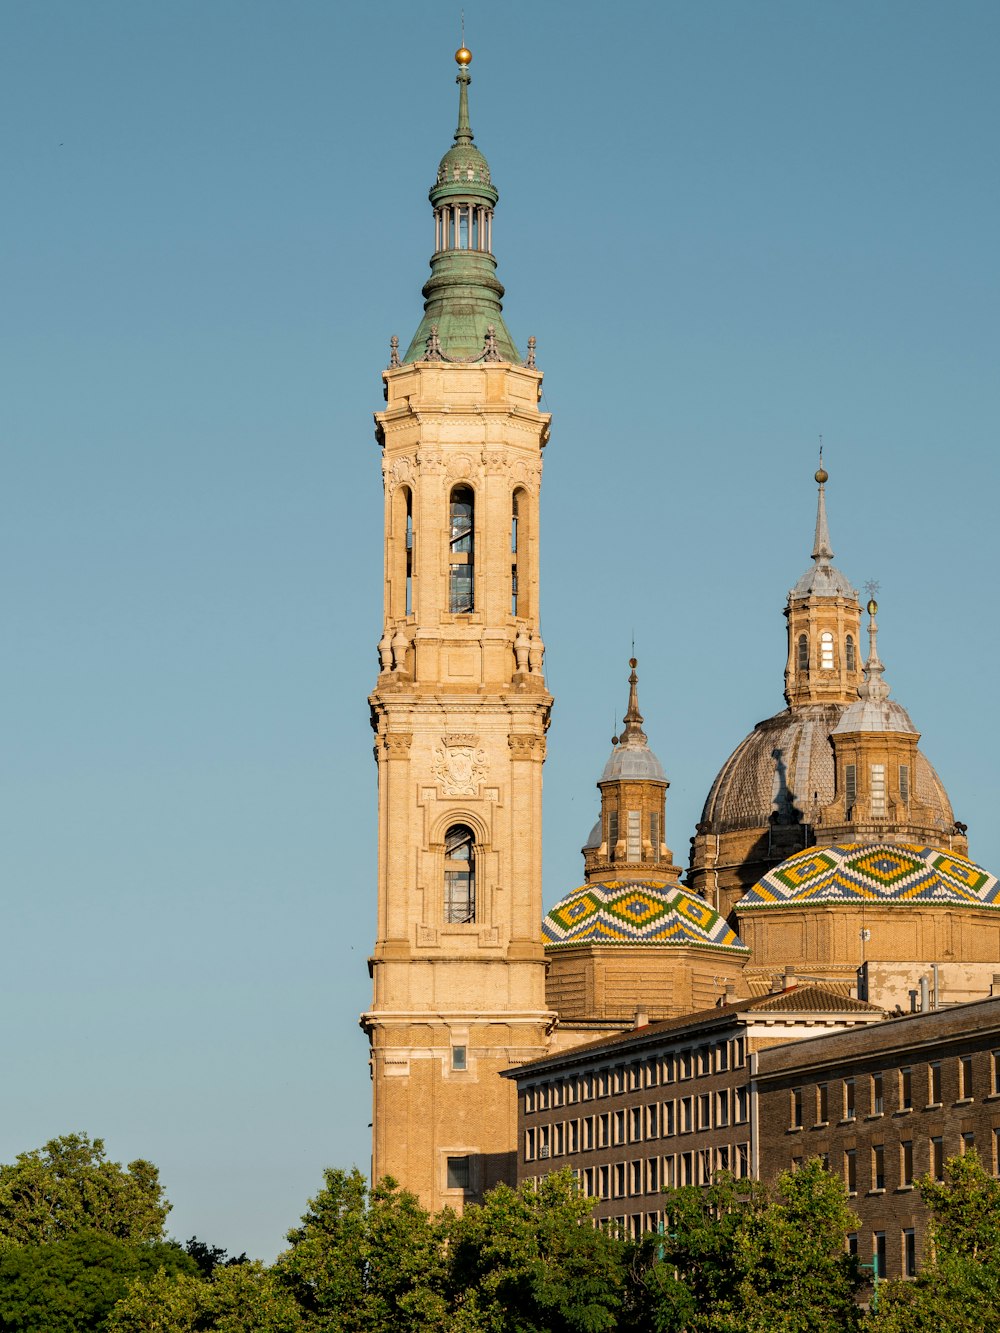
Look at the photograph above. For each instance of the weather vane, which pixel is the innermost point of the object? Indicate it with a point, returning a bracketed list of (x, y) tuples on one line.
[(872, 587)]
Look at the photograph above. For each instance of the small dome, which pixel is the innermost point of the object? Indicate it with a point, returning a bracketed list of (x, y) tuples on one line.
[(875, 715), (823, 580), (873, 874), (631, 759), (463, 164), (784, 770), (636, 912), (596, 834)]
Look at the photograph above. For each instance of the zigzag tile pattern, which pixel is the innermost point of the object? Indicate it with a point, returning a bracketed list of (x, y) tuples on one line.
[(874, 873), (637, 912)]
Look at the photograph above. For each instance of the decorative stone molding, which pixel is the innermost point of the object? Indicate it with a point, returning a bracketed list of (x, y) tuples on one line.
[(398, 473), (397, 744), (459, 767), (489, 937), (522, 747), (428, 937), (459, 467), (495, 462)]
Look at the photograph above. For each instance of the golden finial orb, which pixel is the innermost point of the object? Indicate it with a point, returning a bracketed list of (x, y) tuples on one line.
[(822, 476), (463, 56), (872, 607)]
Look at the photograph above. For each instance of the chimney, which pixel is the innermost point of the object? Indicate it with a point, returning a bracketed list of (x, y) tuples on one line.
[(995, 985), (641, 1019), (925, 995), (777, 985), (731, 992)]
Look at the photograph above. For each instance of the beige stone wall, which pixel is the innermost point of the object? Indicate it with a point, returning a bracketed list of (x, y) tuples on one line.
[(460, 713), (613, 982)]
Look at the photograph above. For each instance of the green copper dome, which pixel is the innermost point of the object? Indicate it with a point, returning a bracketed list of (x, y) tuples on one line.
[(463, 314)]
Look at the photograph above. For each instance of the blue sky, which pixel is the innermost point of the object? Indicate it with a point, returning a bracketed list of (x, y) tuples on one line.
[(732, 227)]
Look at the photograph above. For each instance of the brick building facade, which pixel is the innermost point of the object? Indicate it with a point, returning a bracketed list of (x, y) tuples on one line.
[(884, 1106)]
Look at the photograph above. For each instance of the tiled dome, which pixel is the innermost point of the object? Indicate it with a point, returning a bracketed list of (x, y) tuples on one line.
[(874, 873), (636, 912), (784, 770)]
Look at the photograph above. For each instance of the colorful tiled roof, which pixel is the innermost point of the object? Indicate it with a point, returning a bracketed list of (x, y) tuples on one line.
[(874, 873), (637, 912)]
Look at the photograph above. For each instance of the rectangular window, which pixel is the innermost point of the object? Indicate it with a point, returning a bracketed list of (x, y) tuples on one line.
[(722, 1057), (458, 1173), (634, 1076), (529, 1100), (722, 1158), (878, 1166), (824, 1103), (458, 1060), (904, 783), (636, 1127), (739, 1049), (653, 1121), (619, 1127), (743, 1161), (529, 1145), (968, 1141), (877, 1104), (996, 1152), (995, 1072), (687, 1115), (937, 1157), (704, 1166), (878, 791), (574, 1136), (965, 1077), (687, 1064), (851, 1170), (935, 1082), (652, 1175), (704, 1060), (669, 1119), (796, 1121), (634, 850), (722, 1108), (620, 1179), (704, 1111), (687, 1168), (849, 1104), (635, 1183), (878, 1253), (604, 1182), (905, 1088), (909, 1252), (612, 833), (850, 785), (906, 1162), (669, 1172), (652, 1073), (604, 1130), (742, 1105), (668, 1069), (852, 1244)]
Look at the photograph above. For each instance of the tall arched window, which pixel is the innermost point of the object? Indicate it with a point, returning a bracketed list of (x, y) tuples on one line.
[(851, 654), (520, 604), (513, 554), (803, 653), (400, 565), (461, 554), (826, 651), (459, 874)]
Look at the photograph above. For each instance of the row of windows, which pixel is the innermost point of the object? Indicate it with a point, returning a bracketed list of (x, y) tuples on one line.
[(879, 1251), (840, 1099), (826, 652), (650, 1175), (461, 552), (876, 787), (638, 1124), (634, 850), (650, 1073)]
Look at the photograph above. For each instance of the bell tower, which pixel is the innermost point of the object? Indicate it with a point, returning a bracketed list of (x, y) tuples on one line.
[(460, 710)]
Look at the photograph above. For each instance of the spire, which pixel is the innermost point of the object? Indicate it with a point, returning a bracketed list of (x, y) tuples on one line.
[(873, 686), (464, 132), (462, 297), (633, 718), (822, 552)]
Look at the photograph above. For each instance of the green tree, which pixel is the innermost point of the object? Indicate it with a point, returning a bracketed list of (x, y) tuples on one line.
[(958, 1288), (69, 1186), (531, 1260), (240, 1298), (367, 1260), (71, 1285), (739, 1258)]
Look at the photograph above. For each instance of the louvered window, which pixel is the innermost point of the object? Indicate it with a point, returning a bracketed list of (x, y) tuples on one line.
[(461, 551), (878, 791), (826, 651), (850, 785), (803, 653), (904, 783)]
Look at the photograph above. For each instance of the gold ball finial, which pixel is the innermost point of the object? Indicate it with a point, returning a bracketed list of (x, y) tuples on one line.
[(463, 56), (633, 663), (822, 476), (872, 606)]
